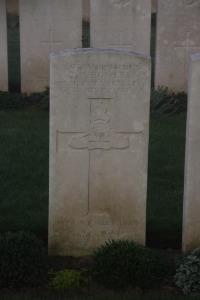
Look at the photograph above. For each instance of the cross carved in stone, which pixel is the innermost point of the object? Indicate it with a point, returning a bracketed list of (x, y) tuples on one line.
[(120, 41), (100, 135), (187, 47), (51, 42)]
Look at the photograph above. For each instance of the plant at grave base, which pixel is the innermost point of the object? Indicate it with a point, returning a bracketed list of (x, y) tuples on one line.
[(122, 263), (164, 101), (23, 259), (188, 272), (67, 279)]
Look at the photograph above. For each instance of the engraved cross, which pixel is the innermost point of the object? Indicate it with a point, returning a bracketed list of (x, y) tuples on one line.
[(187, 47), (51, 42), (119, 40), (100, 135)]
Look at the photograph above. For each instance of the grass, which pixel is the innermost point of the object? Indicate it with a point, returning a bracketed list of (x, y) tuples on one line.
[(24, 171), (24, 175), (13, 54), (165, 180)]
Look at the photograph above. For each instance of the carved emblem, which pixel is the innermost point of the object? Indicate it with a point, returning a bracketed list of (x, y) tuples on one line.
[(120, 2), (100, 135)]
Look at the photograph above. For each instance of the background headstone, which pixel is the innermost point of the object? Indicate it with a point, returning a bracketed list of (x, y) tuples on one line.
[(191, 208), (3, 48), (99, 128), (121, 24), (178, 36), (46, 26)]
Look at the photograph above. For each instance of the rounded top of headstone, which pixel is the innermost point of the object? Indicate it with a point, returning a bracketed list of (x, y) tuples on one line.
[(100, 50)]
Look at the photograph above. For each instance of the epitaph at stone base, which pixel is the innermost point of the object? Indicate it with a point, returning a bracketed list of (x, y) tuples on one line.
[(98, 149)]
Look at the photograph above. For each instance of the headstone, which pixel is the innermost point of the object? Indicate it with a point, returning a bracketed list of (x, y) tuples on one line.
[(3, 48), (178, 36), (46, 26), (191, 207), (98, 148), (121, 24)]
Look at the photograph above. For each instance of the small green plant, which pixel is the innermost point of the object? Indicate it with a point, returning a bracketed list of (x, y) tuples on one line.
[(122, 263), (164, 101), (23, 260), (188, 272), (66, 280)]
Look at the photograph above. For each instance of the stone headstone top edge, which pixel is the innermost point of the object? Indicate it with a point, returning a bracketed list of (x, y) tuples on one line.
[(100, 50)]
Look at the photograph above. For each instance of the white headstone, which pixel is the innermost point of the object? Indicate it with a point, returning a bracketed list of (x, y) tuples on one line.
[(191, 208), (178, 36), (98, 148), (121, 24), (46, 26), (3, 48)]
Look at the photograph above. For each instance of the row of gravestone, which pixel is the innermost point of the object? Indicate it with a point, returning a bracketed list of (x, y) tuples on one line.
[(114, 23), (99, 125)]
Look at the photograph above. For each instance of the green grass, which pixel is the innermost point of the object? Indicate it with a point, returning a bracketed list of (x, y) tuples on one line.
[(13, 54), (24, 171), (24, 175), (165, 180)]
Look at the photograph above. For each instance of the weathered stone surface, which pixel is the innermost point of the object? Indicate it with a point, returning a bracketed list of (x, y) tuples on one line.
[(46, 26), (191, 207), (98, 148), (121, 24), (3, 48), (178, 36)]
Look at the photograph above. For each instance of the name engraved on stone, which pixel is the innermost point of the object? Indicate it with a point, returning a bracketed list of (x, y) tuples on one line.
[(120, 3), (101, 134), (100, 78)]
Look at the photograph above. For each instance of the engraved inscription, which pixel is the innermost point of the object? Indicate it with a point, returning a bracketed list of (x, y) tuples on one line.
[(120, 3), (187, 2), (93, 222), (95, 79), (101, 134)]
